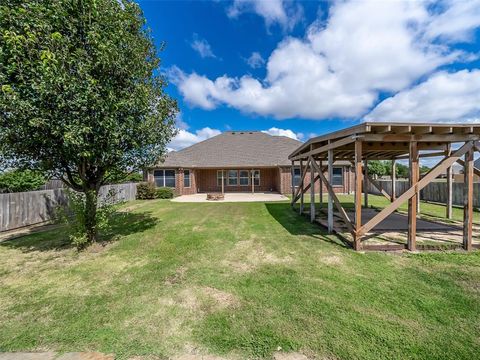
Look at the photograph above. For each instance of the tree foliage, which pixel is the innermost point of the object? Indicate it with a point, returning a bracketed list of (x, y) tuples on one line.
[(81, 93), (377, 168), (21, 180)]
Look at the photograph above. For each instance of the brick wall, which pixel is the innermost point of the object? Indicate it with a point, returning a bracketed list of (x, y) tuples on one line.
[(180, 189), (285, 176), (207, 181), (271, 179)]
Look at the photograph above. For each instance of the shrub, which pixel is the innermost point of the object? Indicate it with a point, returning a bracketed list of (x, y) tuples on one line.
[(21, 180), (73, 215), (145, 190), (164, 193)]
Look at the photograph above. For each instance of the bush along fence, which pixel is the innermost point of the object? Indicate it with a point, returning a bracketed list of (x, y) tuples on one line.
[(33, 207), (434, 192)]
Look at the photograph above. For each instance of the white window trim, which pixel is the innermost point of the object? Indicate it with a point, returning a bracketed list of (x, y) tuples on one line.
[(243, 177), (343, 177), (259, 177), (228, 177), (189, 179), (164, 177), (293, 176)]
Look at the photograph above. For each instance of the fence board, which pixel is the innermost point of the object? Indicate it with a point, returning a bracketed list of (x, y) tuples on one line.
[(434, 192), (28, 208)]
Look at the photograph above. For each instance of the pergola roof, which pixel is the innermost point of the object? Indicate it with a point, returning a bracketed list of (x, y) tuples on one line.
[(386, 140), (376, 140)]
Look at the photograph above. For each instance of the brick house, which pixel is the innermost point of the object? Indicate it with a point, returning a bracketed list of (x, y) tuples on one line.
[(237, 161)]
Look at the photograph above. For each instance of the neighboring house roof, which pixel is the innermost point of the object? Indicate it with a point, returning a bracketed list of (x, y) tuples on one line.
[(477, 163), (235, 149)]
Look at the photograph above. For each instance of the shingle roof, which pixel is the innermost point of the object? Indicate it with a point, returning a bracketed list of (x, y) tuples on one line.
[(476, 163), (235, 149)]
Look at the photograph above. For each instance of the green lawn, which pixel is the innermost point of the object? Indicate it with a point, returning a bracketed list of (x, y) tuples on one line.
[(237, 280)]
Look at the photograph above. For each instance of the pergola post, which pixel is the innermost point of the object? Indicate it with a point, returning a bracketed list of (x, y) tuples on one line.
[(365, 182), (292, 173), (449, 204), (358, 193), (418, 178), (330, 199), (321, 187), (301, 185), (412, 202), (393, 196), (312, 192), (468, 201)]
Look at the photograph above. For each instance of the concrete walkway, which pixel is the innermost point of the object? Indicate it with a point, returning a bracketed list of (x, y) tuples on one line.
[(233, 197)]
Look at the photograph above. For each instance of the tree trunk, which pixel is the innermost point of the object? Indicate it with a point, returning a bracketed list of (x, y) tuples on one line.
[(91, 197)]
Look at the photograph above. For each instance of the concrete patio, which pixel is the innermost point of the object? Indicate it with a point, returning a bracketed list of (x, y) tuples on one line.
[(234, 197)]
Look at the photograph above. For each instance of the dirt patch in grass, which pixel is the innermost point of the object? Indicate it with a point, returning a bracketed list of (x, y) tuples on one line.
[(289, 356), (331, 259), (206, 299), (248, 255), (177, 277)]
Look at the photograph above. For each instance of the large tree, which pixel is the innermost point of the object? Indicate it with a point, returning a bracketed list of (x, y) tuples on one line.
[(81, 92)]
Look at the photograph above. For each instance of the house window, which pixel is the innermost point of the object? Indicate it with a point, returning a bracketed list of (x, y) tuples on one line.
[(296, 178), (164, 178), (244, 177), (232, 177), (256, 177), (219, 177), (186, 178), (337, 179)]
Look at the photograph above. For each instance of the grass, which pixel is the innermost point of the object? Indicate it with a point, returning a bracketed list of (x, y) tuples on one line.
[(238, 280)]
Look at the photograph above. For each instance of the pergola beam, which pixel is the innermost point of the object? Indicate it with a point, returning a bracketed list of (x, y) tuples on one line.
[(407, 138), (324, 148)]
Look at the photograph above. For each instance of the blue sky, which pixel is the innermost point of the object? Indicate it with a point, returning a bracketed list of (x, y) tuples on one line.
[(306, 68)]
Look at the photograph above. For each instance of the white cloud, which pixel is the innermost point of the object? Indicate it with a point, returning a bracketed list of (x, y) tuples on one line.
[(283, 12), (283, 132), (457, 23), (340, 67), (186, 138), (180, 123), (444, 97), (255, 60), (202, 47)]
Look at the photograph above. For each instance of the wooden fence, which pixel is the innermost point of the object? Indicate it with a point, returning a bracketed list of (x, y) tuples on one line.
[(434, 192), (28, 208)]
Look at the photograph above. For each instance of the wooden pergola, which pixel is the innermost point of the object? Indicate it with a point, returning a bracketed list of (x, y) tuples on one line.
[(388, 141)]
